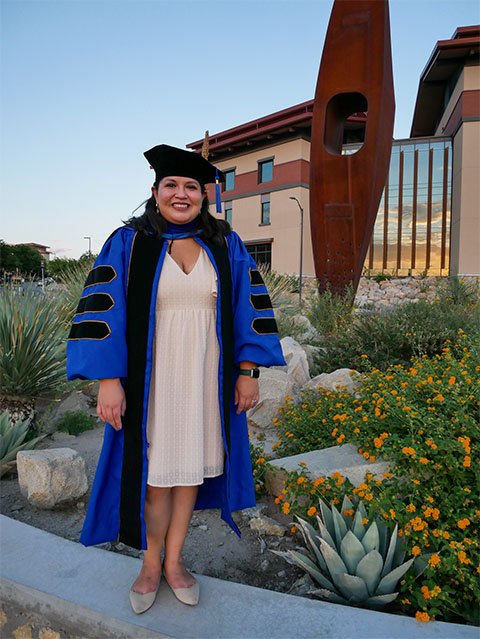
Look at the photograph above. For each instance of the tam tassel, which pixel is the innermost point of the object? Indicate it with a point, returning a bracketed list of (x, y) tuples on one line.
[(218, 198)]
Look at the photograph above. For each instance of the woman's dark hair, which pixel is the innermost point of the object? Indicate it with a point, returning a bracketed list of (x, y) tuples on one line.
[(152, 223)]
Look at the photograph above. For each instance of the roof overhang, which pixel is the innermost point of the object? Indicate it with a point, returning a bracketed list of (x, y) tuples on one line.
[(447, 60), (294, 122)]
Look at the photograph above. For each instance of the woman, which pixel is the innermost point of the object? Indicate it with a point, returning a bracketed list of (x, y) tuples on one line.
[(173, 321)]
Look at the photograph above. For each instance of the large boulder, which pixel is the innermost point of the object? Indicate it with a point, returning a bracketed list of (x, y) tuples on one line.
[(51, 477), (343, 459), (311, 352), (275, 385), (309, 332), (296, 358), (341, 379)]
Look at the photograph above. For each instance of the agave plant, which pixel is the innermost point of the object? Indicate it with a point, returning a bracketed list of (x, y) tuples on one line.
[(355, 562), (12, 440)]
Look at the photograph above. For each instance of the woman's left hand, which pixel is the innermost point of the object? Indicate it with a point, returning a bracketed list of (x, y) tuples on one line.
[(246, 393)]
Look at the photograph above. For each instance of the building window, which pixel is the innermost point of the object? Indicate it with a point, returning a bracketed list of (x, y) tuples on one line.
[(265, 171), (228, 212), (261, 253), (229, 183), (265, 209)]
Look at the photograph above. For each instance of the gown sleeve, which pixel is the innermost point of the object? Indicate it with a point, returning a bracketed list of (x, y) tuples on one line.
[(254, 325), (96, 347)]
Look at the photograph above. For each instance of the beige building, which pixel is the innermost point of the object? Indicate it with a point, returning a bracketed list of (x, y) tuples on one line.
[(429, 216)]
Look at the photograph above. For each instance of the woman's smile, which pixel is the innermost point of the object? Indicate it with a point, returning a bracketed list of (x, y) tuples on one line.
[(179, 199)]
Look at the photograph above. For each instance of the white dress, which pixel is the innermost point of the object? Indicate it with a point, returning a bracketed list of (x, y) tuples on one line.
[(184, 432)]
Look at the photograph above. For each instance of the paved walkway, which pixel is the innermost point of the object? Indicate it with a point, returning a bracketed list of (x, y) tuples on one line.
[(88, 589)]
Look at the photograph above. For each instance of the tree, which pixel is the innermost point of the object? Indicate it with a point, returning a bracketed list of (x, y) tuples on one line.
[(20, 256)]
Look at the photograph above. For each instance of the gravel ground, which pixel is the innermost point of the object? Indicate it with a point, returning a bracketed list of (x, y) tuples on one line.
[(211, 548)]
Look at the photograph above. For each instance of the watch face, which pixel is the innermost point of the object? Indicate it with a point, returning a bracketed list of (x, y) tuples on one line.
[(255, 372)]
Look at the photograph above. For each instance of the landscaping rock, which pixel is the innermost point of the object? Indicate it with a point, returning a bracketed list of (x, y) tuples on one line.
[(75, 401), (267, 526), (255, 511), (324, 463), (309, 331), (343, 377), (310, 351), (275, 385), (50, 477), (296, 358)]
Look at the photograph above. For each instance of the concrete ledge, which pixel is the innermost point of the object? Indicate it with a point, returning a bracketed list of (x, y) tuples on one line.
[(90, 586), (80, 621)]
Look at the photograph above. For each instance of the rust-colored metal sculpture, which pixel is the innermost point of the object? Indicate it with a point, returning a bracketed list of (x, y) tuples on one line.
[(345, 190)]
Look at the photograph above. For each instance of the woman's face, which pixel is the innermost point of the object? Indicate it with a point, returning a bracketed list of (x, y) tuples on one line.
[(179, 198)]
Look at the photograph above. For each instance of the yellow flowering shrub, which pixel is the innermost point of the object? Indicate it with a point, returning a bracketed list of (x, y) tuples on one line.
[(432, 491)]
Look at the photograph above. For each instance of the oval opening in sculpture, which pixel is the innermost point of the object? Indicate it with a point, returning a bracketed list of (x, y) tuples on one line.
[(339, 109)]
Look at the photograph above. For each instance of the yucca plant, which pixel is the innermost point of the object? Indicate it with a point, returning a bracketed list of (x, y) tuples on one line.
[(355, 561), (72, 282), (282, 289), (12, 440), (32, 345)]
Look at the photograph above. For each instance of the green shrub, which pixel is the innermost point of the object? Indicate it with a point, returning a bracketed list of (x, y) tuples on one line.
[(413, 329), (454, 290), (76, 422), (424, 420), (32, 345), (12, 440), (329, 312)]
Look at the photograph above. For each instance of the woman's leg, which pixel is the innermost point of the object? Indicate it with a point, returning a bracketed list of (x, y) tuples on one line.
[(183, 502), (167, 516), (158, 511)]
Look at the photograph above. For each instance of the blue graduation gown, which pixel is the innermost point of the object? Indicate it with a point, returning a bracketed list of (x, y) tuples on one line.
[(112, 337)]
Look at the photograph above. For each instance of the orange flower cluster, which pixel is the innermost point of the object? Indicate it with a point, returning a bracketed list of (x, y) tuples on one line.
[(434, 560), (430, 594), (422, 616), (378, 441), (463, 523), (463, 557), (416, 523), (432, 512)]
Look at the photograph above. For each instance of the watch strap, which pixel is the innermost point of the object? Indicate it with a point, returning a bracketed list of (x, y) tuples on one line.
[(250, 372)]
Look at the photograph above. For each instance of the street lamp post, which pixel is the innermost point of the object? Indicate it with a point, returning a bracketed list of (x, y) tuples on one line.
[(89, 244), (301, 249)]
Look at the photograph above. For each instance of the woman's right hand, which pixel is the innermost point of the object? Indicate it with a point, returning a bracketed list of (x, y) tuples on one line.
[(111, 403)]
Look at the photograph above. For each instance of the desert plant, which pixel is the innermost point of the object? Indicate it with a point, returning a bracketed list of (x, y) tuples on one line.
[(72, 283), (12, 440), (76, 422), (329, 312), (356, 560), (32, 345), (281, 288), (454, 290)]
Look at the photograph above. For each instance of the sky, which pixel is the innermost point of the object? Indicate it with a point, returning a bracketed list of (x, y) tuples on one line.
[(88, 85)]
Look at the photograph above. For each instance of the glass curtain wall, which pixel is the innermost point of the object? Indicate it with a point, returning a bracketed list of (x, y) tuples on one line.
[(412, 229)]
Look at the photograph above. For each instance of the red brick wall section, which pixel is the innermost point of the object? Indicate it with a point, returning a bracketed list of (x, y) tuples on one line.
[(468, 106), (283, 175)]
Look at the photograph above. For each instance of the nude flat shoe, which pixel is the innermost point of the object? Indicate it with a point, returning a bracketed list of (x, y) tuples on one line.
[(189, 596), (141, 603)]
